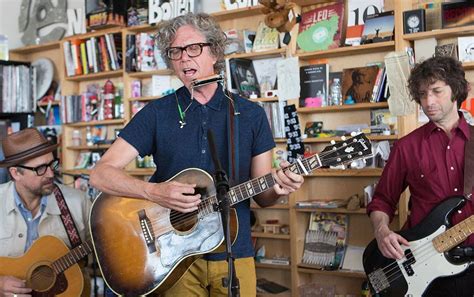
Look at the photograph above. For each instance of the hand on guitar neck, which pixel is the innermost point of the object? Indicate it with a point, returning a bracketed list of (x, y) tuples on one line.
[(12, 286)]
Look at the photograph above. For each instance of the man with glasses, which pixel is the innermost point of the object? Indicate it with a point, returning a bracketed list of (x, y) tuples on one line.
[(174, 130), (430, 162), (28, 207)]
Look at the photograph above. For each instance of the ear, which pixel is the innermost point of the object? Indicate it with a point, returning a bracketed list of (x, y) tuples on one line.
[(14, 173)]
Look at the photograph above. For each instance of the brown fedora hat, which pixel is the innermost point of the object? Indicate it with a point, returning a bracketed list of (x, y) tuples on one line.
[(24, 145)]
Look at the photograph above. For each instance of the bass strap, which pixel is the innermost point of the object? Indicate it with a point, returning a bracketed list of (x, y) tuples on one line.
[(469, 164), (67, 219)]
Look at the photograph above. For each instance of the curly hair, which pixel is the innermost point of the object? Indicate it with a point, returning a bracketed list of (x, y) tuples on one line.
[(446, 69), (202, 22)]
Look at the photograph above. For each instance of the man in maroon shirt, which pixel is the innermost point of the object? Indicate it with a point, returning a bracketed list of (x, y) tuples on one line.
[(430, 162)]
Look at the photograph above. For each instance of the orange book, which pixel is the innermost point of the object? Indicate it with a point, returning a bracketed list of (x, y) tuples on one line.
[(105, 56), (76, 55)]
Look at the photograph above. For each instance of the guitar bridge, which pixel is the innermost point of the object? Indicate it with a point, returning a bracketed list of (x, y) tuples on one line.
[(379, 280), (147, 231)]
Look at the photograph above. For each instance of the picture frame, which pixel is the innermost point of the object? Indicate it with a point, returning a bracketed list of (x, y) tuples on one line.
[(457, 14), (414, 21), (379, 28)]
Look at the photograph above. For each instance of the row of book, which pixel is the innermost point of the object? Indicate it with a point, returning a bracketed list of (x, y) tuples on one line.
[(17, 88), (142, 53), (93, 55), (92, 105)]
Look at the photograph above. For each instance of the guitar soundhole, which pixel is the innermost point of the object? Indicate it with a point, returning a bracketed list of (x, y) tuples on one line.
[(42, 278), (185, 221)]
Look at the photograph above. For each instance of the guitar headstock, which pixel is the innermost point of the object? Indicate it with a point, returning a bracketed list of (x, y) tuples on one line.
[(346, 151)]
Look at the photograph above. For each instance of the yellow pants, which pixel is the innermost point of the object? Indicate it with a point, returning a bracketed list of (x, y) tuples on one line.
[(204, 278)]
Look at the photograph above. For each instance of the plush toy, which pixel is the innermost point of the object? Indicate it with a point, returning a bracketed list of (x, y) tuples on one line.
[(277, 15)]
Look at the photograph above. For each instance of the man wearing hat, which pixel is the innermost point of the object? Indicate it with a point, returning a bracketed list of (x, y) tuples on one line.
[(29, 205)]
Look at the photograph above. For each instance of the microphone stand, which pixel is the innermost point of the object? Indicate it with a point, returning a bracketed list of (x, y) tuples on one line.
[(222, 187)]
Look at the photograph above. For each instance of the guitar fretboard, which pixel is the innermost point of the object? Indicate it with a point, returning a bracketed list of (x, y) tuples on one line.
[(72, 257), (260, 184), (454, 236)]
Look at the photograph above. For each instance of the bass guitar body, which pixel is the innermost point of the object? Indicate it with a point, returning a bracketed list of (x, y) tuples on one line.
[(422, 263), (142, 247)]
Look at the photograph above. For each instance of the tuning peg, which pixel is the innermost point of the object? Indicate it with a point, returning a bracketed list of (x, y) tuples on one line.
[(343, 138), (364, 160), (353, 133), (333, 142)]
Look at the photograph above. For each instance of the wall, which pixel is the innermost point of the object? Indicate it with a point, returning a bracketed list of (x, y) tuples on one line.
[(10, 12)]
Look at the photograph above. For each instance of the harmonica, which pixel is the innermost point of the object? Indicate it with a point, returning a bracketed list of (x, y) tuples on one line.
[(199, 82)]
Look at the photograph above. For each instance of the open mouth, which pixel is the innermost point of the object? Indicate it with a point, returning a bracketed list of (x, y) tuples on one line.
[(189, 72)]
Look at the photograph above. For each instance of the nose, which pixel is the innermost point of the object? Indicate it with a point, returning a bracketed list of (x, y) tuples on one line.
[(49, 171)]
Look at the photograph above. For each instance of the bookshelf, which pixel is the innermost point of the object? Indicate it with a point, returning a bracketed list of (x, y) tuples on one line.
[(321, 183)]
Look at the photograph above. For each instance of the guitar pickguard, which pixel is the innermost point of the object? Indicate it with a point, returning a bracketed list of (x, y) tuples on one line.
[(207, 235)]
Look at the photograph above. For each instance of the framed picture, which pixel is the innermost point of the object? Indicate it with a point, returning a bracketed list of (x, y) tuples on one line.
[(379, 28), (457, 14), (414, 21)]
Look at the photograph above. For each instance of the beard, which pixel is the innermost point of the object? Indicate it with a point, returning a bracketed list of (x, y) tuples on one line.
[(44, 189)]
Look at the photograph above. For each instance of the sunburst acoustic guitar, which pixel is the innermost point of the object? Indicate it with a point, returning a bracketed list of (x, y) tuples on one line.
[(143, 247)]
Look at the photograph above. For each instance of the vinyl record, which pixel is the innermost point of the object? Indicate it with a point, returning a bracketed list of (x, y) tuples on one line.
[(44, 76)]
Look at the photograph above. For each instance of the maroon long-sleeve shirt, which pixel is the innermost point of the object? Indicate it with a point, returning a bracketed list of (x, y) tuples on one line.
[(432, 166)]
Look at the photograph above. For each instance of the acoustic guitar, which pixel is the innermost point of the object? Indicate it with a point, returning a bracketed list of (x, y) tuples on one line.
[(427, 257), (49, 267), (143, 247)]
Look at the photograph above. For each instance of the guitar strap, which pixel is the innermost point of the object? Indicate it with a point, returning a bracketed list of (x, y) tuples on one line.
[(67, 219), (469, 164)]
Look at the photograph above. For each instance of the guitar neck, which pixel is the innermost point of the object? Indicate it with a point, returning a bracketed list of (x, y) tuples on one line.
[(454, 235), (74, 256), (261, 184)]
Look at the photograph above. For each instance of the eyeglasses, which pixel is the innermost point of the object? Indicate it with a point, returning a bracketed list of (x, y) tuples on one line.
[(193, 50), (41, 169)]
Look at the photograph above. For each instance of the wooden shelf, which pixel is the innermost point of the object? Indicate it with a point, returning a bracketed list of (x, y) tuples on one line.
[(114, 29), (272, 266), (87, 147), (337, 138), (273, 99), (441, 33), (270, 235), (144, 98), (141, 171), (142, 28), (45, 104), (280, 140), (147, 74), (95, 123), (36, 48), (349, 50), (347, 107), (276, 206), (282, 294), (77, 171), (468, 65), (96, 76), (362, 211), (237, 13), (259, 55), (364, 172), (305, 268)]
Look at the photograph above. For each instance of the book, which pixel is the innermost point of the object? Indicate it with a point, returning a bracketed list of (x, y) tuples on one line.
[(336, 203), (325, 240), (446, 50), (266, 38), (466, 48), (244, 77), (359, 83), (249, 37), (321, 28), (314, 85), (354, 35)]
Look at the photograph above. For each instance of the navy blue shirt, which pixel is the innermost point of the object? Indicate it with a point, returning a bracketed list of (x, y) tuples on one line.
[(155, 130)]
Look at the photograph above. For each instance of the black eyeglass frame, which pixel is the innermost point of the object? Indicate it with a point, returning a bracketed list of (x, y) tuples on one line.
[(54, 164), (184, 48)]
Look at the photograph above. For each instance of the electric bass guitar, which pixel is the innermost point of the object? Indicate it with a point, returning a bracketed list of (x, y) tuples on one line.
[(143, 247), (427, 257), (49, 267)]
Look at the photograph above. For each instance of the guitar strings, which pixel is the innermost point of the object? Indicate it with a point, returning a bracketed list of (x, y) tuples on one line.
[(182, 217), (208, 201), (392, 274)]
